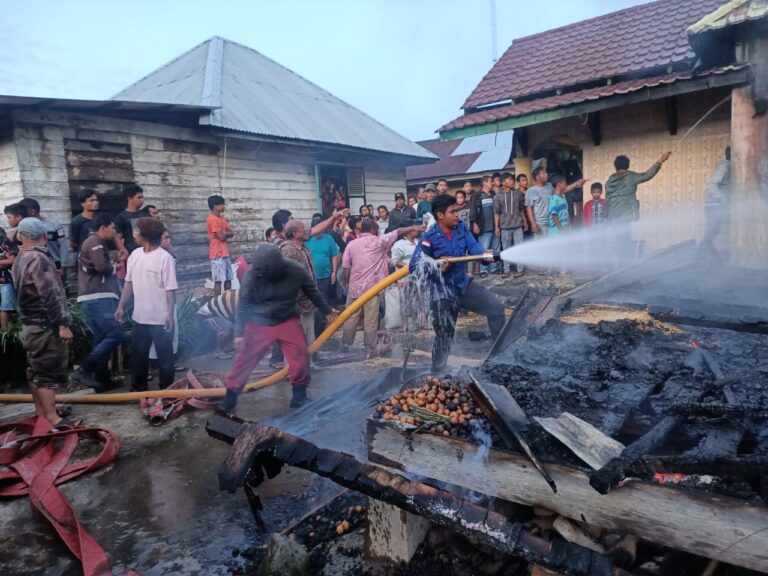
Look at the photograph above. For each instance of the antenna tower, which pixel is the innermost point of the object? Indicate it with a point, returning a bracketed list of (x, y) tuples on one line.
[(493, 31)]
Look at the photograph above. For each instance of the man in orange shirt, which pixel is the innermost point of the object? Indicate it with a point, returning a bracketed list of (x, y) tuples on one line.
[(219, 234)]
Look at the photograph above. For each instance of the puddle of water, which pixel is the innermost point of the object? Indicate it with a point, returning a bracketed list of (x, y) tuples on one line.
[(160, 511)]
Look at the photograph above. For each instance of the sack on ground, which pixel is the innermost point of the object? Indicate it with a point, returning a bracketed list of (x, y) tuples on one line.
[(392, 318)]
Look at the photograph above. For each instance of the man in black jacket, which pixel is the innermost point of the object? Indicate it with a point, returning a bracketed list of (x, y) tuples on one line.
[(481, 217), (401, 215), (266, 313)]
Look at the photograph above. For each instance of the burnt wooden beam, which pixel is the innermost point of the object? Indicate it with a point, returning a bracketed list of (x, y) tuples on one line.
[(670, 109), (251, 440), (714, 526), (595, 127), (438, 506), (507, 418), (533, 309), (688, 312), (615, 471), (522, 137)]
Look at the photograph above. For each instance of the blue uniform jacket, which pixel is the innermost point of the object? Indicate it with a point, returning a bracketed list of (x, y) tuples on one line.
[(435, 244)]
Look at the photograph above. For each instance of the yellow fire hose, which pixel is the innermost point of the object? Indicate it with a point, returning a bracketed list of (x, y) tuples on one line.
[(258, 384)]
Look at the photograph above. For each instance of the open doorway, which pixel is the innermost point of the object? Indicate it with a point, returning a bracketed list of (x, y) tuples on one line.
[(340, 187), (563, 156)]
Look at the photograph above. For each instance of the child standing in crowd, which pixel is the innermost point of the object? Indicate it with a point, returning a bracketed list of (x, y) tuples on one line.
[(463, 207), (151, 281), (219, 234), (45, 320), (558, 207), (594, 210)]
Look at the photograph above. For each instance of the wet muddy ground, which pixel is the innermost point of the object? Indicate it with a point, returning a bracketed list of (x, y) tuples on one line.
[(158, 508)]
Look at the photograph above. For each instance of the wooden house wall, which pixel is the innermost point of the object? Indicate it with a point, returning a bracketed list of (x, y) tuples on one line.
[(675, 197), (10, 179), (178, 169)]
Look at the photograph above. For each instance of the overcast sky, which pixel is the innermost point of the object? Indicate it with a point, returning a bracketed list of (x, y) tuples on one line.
[(408, 63)]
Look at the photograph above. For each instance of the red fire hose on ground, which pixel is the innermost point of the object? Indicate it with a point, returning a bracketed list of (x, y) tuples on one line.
[(38, 462)]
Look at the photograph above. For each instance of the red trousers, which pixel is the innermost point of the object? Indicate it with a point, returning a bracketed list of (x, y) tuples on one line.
[(259, 340)]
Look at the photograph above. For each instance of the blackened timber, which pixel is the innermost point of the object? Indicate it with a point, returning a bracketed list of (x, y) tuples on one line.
[(438, 506), (251, 440), (224, 427), (689, 312), (725, 528), (670, 107), (611, 475), (714, 410), (595, 128), (507, 418), (532, 310), (744, 467)]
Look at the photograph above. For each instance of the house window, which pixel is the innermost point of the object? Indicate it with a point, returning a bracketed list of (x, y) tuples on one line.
[(340, 186), (104, 167)]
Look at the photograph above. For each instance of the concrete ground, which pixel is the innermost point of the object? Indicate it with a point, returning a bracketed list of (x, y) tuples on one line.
[(158, 509)]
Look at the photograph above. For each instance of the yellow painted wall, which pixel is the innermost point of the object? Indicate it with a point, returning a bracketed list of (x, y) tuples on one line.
[(640, 131)]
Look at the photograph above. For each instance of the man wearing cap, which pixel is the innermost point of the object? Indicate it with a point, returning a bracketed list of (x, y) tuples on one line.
[(57, 243), (45, 319), (425, 206), (151, 281), (401, 215)]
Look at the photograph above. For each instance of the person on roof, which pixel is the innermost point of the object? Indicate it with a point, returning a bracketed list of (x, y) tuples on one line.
[(455, 290)]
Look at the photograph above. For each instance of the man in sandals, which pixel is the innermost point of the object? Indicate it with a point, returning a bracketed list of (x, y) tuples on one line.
[(45, 319)]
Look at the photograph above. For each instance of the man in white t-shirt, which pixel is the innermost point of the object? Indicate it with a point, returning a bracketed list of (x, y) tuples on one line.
[(151, 281)]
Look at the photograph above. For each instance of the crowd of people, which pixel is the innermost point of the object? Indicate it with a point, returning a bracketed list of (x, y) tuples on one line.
[(295, 282)]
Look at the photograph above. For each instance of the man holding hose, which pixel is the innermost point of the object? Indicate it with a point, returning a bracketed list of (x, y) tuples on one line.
[(453, 289), (266, 313)]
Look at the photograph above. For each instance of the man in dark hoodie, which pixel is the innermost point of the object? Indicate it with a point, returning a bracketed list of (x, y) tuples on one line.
[(266, 313)]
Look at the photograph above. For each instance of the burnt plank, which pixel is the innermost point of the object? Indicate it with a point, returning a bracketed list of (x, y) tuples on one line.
[(434, 504), (252, 439), (533, 309), (727, 529), (583, 439), (224, 427)]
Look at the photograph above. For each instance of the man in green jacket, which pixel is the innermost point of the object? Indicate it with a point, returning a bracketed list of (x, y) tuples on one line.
[(622, 204)]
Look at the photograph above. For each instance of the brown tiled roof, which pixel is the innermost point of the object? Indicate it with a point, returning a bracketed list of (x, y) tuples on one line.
[(630, 41), (552, 102), (449, 166)]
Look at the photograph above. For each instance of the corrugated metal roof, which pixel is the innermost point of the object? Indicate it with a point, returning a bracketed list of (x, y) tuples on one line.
[(257, 95), (730, 14), (471, 155)]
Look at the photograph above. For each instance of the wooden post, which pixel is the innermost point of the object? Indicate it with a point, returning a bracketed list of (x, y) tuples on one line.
[(392, 533), (749, 163)]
